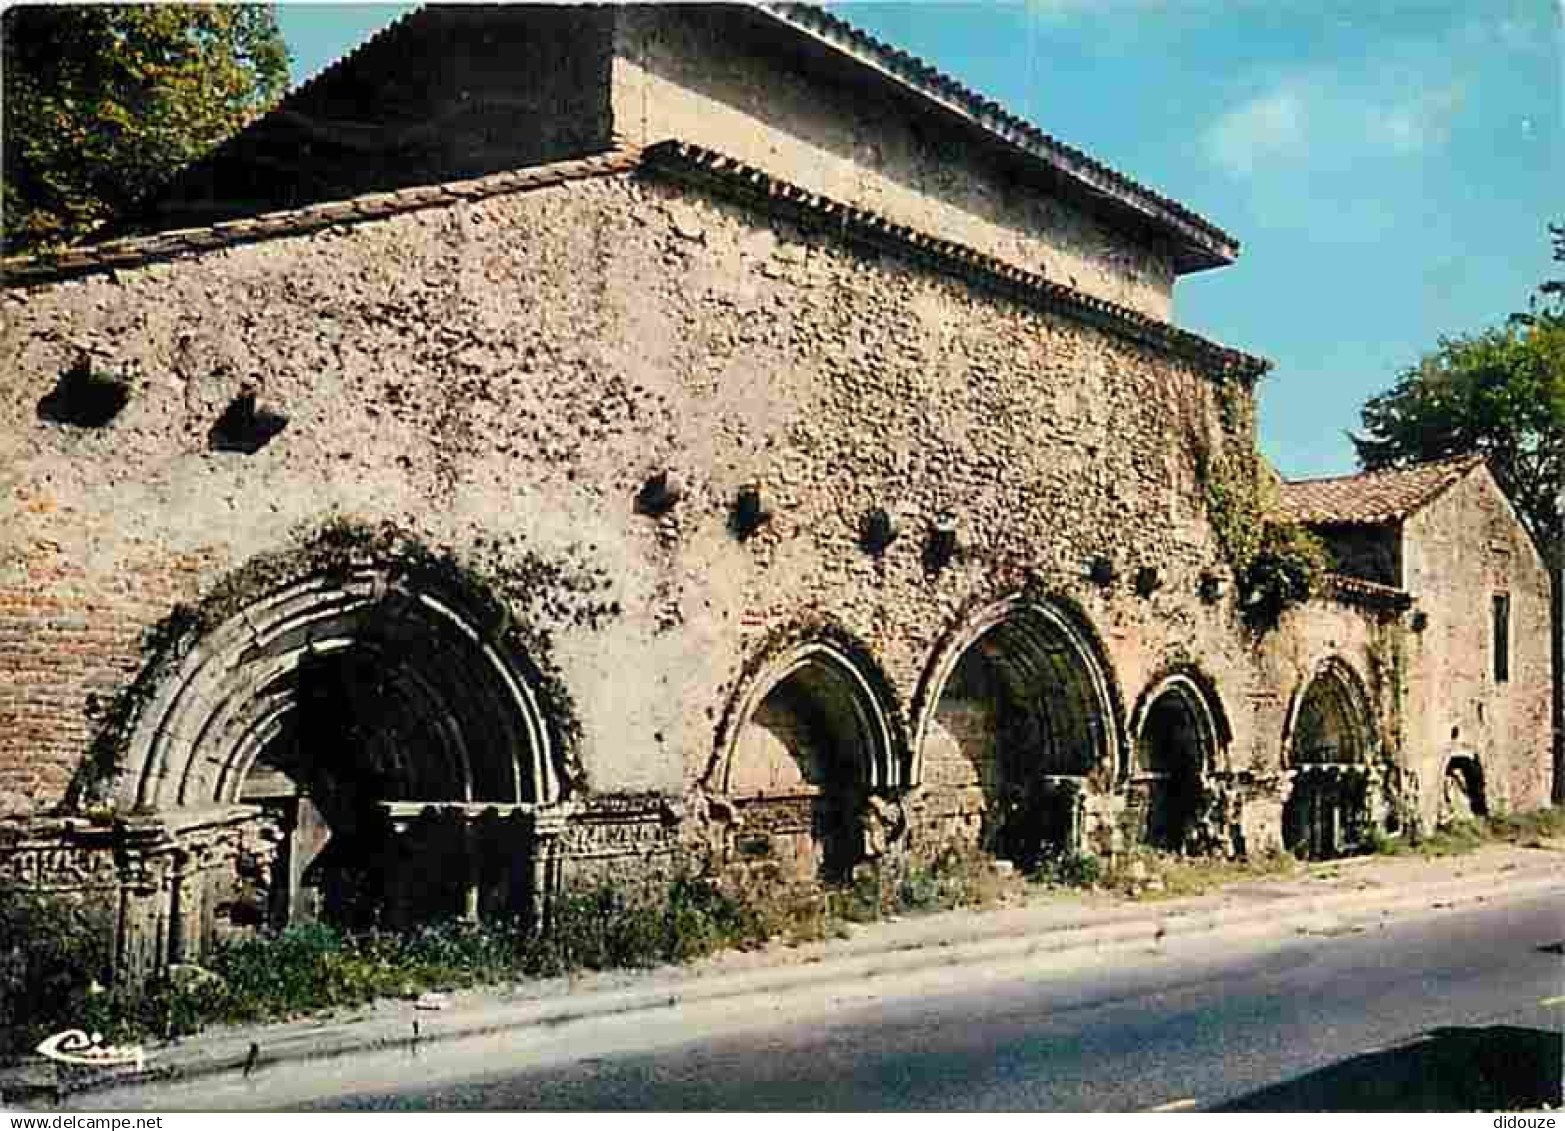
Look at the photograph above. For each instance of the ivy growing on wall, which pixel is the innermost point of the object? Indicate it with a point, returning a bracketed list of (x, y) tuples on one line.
[(492, 582), (1276, 564)]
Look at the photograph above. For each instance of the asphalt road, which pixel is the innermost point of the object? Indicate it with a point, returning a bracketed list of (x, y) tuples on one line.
[(1459, 1010), (1447, 1010)]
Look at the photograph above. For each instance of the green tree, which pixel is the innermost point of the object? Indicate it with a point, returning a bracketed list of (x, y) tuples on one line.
[(1500, 392), (103, 102)]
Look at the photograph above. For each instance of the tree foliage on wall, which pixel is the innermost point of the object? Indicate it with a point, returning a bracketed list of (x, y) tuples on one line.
[(1500, 392), (104, 102)]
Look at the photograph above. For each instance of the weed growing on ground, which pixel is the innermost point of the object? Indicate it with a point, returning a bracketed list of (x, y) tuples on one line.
[(52, 954), (57, 955), (1148, 874), (1531, 830)]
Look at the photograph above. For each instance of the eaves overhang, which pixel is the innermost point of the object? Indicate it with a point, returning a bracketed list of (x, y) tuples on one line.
[(1033, 155)]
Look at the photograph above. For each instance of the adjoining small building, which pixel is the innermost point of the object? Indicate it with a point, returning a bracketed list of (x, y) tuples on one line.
[(565, 445), (1470, 679)]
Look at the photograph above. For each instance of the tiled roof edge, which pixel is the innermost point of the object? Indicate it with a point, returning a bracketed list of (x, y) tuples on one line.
[(135, 251), (1455, 462), (733, 177), (1371, 594), (1016, 131), (1459, 467), (680, 159)]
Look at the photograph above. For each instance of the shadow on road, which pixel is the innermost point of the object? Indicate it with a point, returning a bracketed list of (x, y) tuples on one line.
[(1498, 1068)]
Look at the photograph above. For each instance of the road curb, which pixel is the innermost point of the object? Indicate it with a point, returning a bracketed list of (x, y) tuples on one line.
[(1317, 911)]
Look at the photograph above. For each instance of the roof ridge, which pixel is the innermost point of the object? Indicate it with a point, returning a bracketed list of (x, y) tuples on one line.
[(1473, 457), (396, 26)]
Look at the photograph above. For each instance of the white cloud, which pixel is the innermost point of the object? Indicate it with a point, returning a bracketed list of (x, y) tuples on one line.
[(1267, 127), (1329, 119)]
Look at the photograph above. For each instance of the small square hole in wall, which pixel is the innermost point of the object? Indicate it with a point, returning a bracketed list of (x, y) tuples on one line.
[(84, 398), (245, 426)]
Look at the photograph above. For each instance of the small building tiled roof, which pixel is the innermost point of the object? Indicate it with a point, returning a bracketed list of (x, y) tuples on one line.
[(1372, 497), (680, 161), (1368, 594)]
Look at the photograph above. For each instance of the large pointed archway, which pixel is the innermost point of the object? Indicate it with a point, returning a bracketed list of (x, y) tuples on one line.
[(1329, 755), (813, 739), (1019, 712), (354, 747)]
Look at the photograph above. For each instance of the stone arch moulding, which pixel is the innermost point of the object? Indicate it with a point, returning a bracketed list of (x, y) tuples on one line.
[(237, 688), (1347, 698), (1032, 630), (878, 759), (1329, 754), (1198, 695)]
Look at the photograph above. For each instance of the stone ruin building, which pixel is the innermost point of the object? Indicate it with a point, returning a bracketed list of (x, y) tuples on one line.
[(559, 445)]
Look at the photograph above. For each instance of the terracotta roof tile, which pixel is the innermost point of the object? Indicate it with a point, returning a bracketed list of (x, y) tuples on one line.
[(1371, 497), (1371, 594)]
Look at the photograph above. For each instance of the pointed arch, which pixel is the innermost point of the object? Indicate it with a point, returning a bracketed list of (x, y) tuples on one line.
[(836, 700), (1032, 648), (1329, 718), (1018, 713), (408, 662)]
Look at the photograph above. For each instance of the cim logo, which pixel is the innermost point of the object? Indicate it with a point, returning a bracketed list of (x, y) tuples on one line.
[(75, 1046)]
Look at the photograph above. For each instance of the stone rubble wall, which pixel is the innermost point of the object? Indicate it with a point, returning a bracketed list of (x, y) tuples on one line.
[(1460, 551), (682, 72), (501, 378)]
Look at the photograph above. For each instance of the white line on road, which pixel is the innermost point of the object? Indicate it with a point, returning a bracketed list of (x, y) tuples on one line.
[(1176, 1105)]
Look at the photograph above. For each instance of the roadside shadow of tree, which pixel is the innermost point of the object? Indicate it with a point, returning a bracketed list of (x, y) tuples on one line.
[(1501, 1067)]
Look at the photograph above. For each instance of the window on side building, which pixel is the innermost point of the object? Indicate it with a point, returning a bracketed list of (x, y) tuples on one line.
[(1501, 637)]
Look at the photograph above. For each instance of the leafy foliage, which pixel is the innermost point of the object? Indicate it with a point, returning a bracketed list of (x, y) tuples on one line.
[(51, 954), (1285, 570), (1500, 392), (1276, 564), (103, 102)]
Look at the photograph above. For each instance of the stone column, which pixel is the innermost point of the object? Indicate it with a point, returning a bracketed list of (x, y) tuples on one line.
[(143, 852), (548, 834)]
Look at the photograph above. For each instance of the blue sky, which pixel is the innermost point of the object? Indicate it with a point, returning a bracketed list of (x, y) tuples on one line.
[(1388, 166)]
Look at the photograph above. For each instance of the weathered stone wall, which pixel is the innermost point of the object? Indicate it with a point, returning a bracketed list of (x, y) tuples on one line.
[(1461, 551), (1362, 646), (690, 72), (502, 377)]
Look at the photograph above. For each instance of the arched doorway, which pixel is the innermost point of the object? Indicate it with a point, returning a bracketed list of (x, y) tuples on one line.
[(1177, 742), (1020, 713), (1462, 795), (1329, 755), (351, 748), (813, 739)]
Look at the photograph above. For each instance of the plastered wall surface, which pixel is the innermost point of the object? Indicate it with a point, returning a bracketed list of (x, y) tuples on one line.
[(506, 375), (1460, 552), (685, 73)]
